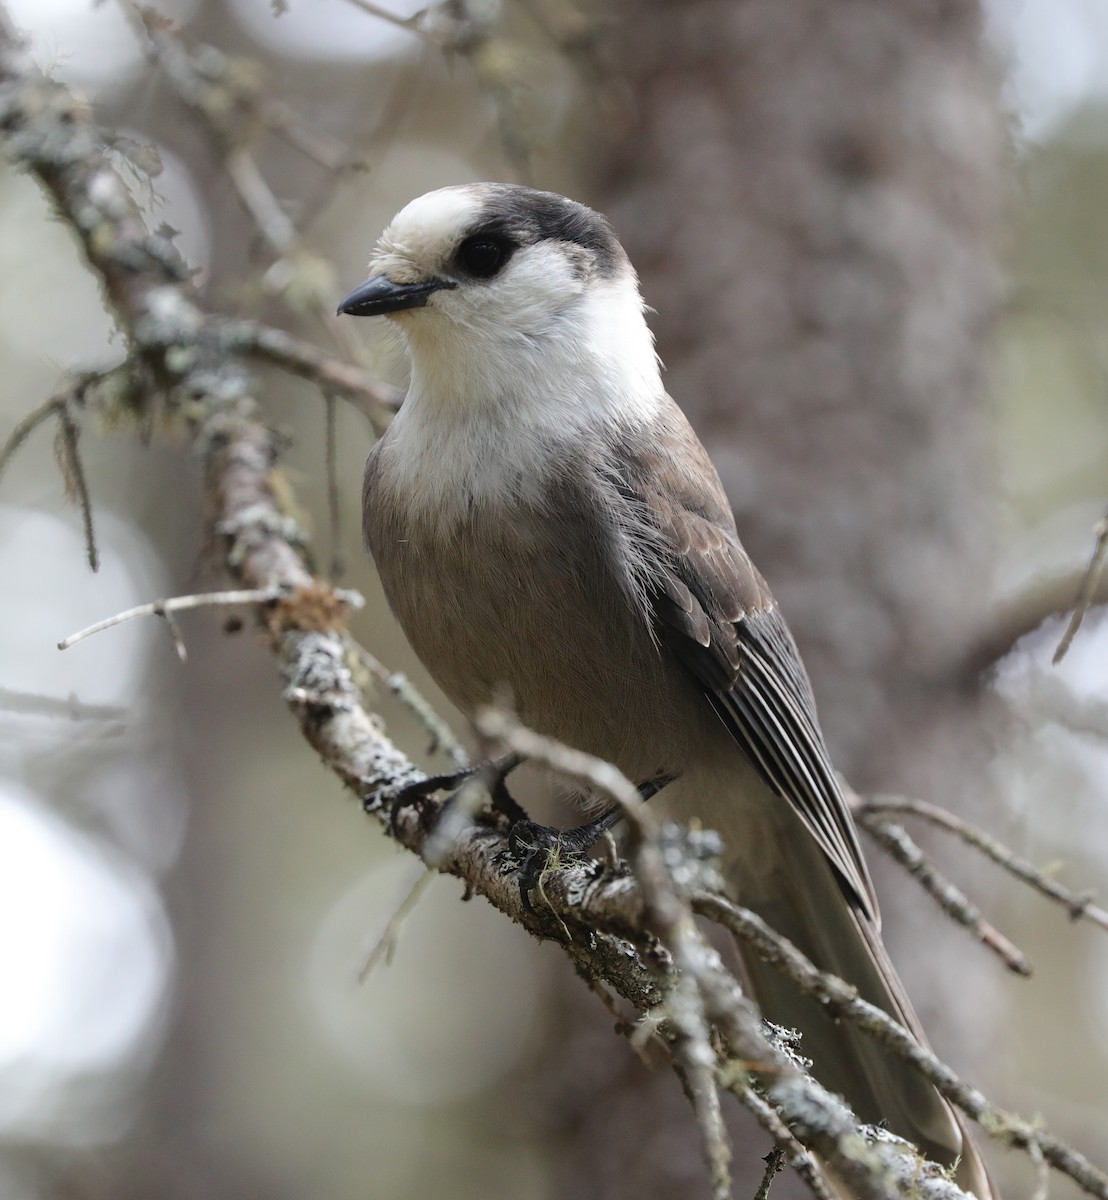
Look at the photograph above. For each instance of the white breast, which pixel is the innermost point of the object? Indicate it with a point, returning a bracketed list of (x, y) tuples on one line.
[(487, 409)]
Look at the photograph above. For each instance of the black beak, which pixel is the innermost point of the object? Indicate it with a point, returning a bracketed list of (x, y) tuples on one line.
[(379, 295)]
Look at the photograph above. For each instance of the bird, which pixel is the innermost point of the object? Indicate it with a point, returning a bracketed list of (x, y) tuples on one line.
[(547, 526)]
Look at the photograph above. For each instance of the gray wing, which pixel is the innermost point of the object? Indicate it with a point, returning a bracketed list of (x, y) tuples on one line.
[(715, 612)]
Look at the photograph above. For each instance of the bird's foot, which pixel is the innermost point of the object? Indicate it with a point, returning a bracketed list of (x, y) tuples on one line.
[(493, 774), (539, 847)]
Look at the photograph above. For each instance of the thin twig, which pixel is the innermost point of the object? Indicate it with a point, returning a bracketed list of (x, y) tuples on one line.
[(895, 840), (775, 1159), (666, 915), (1042, 1174), (841, 1000), (196, 68), (272, 221), (1024, 614), (331, 471), (798, 1158), (73, 470), (35, 704), (323, 149), (442, 736), (206, 80), (1057, 701), (305, 359), (466, 802), (27, 426), (412, 24), (1079, 904), (385, 945), (166, 608), (620, 1019), (1087, 591)]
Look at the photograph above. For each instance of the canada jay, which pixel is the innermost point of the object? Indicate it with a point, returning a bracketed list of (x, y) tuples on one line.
[(547, 526)]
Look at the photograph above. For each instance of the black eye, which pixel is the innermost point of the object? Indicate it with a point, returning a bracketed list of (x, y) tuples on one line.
[(482, 256)]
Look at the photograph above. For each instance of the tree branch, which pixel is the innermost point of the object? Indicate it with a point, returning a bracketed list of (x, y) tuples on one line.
[(1079, 904)]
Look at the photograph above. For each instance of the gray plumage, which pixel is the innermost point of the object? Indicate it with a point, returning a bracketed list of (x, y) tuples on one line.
[(546, 524)]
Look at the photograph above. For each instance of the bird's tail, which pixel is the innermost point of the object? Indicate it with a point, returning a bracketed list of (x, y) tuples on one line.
[(783, 875)]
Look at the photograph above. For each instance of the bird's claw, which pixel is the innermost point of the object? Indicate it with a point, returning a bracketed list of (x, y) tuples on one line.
[(538, 847), (413, 795), (493, 775)]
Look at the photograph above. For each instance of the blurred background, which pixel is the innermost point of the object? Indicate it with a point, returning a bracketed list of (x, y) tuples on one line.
[(877, 246)]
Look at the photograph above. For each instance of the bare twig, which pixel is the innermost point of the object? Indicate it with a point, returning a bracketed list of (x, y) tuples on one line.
[(203, 66), (842, 1001), (466, 801), (1056, 700), (320, 147), (69, 707), (385, 944), (684, 1006), (1025, 613), (499, 64), (798, 1158), (27, 426), (236, 336), (229, 107), (67, 447), (442, 736), (949, 898), (775, 1159), (1079, 904), (413, 24), (1087, 591), (73, 471), (173, 604), (1042, 1174), (331, 471), (259, 201)]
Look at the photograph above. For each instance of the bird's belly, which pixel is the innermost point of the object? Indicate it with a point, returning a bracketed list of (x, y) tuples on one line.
[(527, 620)]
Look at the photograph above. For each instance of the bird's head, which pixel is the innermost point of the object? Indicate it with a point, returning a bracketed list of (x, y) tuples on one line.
[(501, 282)]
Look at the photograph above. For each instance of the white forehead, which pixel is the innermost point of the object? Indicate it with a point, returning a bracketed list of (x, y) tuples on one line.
[(432, 223)]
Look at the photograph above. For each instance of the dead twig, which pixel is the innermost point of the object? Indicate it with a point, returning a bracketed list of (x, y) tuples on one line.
[(229, 105), (666, 915), (1079, 904), (174, 604), (895, 840), (67, 448), (775, 1159), (331, 470), (67, 707), (413, 24), (1024, 614), (400, 686), (385, 945), (27, 426), (842, 1001), (254, 340), (798, 1158), (1086, 593), (73, 472)]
